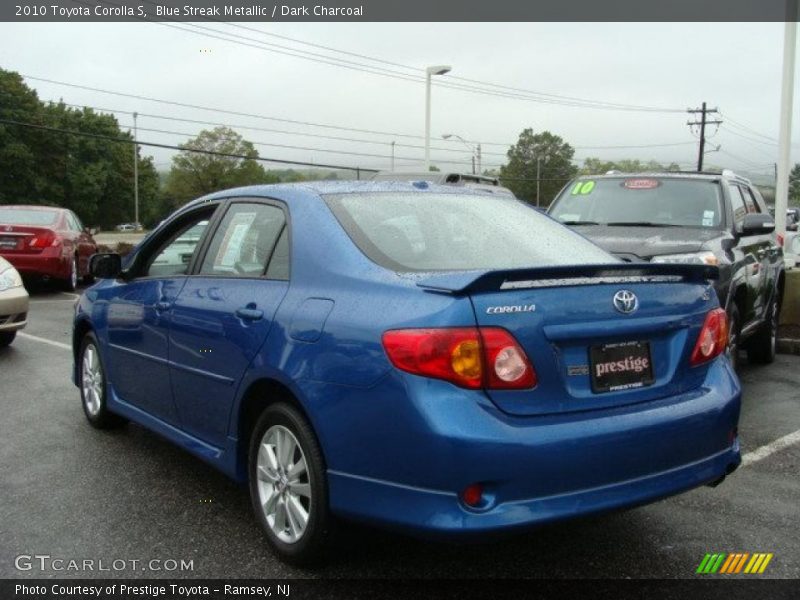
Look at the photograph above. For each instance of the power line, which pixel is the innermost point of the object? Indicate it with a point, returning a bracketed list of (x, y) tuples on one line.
[(342, 138), (218, 110), (173, 147), (284, 120), (415, 75), (513, 93), (745, 128), (305, 148), (265, 129)]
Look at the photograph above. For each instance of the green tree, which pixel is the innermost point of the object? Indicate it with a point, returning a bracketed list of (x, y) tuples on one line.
[(91, 175), (195, 172), (22, 170), (794, 185), (595, 166), (555, 166)]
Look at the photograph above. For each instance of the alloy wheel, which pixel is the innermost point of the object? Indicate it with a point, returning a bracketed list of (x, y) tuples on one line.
[(73, 276), (91, 380), (284, 485)]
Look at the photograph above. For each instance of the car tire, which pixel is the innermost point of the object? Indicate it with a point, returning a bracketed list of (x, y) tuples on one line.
[(70, 284), (762, 346), (93, 386), (288, 486), (734, 337), (6, 338)]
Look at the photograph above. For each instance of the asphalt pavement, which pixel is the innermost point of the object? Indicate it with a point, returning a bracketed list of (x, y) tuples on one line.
[(70, 492)]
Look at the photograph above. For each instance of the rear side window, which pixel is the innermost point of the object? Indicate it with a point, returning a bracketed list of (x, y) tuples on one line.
[(243, 243), (666, 201), (406, 231), (750, 201), (737, 204)]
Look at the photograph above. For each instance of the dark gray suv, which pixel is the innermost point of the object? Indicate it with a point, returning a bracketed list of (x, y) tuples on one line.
[(703, 218)]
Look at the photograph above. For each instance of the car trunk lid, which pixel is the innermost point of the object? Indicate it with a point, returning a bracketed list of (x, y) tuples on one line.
[(588, 352)]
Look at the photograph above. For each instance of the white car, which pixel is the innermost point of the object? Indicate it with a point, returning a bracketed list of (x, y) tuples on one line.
[(13, 303)]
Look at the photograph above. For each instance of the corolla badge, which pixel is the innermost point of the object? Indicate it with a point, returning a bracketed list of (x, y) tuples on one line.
[(517, 308), (626, 301)]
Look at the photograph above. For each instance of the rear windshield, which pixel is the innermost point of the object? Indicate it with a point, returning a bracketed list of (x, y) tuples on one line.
[(641, 200), (21, 216), (406, 231)]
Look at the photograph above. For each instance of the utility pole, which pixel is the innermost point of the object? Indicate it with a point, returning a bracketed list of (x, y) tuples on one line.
[(478, 153), (135, 172), (392, 155), (538, 177), (704, 112)]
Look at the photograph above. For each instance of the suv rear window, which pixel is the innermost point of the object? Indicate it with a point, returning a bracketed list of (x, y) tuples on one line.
[(641, 199), (452, 232)]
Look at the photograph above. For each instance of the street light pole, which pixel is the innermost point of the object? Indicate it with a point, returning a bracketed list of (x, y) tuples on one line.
[(475, 152), (429, 72), (135, 172), (392, 155)]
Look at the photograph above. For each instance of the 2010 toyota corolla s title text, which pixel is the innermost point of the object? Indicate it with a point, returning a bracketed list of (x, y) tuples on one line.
[(338, 346)]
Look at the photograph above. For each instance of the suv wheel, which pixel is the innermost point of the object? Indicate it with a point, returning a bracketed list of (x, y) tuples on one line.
[(734, 334), (761, 348), (92, 380), (288, 485)]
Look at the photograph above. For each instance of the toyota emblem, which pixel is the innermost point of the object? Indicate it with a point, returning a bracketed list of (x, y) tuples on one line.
[(626, 302)]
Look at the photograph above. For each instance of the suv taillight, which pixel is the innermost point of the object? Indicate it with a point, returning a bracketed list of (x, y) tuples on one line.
[(469, 357), (713, 338)]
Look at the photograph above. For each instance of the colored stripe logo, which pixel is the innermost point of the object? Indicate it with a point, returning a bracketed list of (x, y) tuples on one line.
[(734, 563)]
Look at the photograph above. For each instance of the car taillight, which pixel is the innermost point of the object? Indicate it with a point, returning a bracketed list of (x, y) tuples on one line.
[(469, 357), (780, 240), (44, 240), (713, 338)]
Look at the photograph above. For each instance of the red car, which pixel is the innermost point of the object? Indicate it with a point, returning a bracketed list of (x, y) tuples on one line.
[(47, 243)]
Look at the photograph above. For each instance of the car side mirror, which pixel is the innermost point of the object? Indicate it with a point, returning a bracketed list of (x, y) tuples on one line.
[(105, 265), (757, 224)]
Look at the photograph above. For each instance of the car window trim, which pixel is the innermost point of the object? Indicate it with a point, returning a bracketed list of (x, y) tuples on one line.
[(155, 243), (227, 205)]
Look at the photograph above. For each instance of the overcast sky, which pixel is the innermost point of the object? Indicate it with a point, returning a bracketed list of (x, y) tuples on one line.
[(736, 67)]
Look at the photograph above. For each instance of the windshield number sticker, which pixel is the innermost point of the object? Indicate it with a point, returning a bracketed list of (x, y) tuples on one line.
[(641, 184), (583, 188)]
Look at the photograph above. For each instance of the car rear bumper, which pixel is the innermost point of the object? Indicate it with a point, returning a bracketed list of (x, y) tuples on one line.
[(13, 309), (44, 265), (539, 469)]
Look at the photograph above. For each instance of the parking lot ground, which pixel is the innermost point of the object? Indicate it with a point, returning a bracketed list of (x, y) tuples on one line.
[(72, 492)]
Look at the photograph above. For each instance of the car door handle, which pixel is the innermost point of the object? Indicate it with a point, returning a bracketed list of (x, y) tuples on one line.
[(250, 314), (162, 305)]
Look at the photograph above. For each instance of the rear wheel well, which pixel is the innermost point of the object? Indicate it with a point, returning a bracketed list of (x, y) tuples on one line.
[(260, 395)]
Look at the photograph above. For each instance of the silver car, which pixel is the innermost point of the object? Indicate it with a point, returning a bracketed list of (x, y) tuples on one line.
[(13, 303)]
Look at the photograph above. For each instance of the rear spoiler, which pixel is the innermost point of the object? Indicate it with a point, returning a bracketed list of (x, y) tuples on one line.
[(469, 282)]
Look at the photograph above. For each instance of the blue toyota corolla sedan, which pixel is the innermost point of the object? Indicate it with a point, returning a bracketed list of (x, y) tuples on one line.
[(426, 358)]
